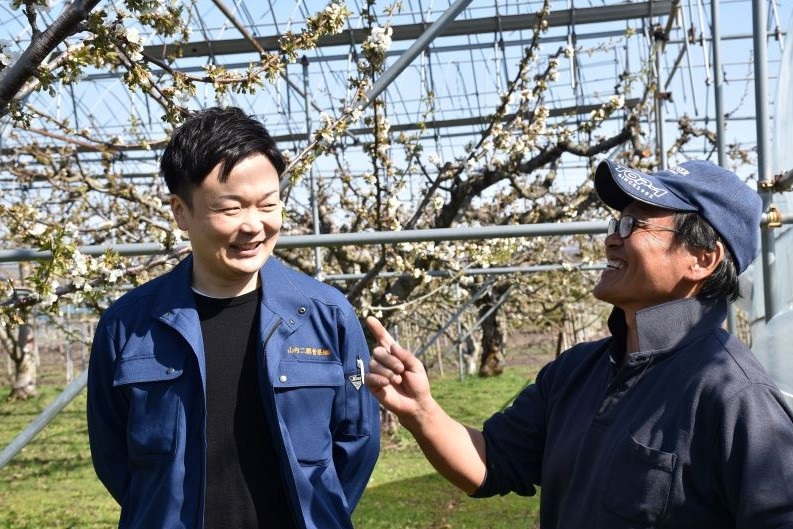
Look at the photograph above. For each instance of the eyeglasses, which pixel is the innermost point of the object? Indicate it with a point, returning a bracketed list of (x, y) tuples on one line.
[(625, 225)]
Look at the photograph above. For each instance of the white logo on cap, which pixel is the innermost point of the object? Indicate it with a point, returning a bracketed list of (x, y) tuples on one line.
[(638, 182)]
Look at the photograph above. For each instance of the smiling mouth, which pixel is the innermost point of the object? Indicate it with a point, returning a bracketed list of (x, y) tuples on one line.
[(245, 247)]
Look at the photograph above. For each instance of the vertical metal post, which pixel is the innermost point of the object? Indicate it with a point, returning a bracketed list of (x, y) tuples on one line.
[(765, 178), (718, 82), (460, 358), (311, 176), (659, 118)]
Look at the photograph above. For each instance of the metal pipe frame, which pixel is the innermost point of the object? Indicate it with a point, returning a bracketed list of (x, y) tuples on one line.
[(411, 32), (765, 178), (329, 240), (345, 239)]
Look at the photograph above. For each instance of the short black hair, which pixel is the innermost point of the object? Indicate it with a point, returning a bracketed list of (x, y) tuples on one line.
[(216, 135), (695, 231)]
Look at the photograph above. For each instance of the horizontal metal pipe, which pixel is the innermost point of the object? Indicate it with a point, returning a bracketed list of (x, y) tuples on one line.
[(328, 240), (496, 270)]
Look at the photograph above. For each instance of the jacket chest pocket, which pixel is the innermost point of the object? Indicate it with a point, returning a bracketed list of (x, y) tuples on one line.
[(639, 485), (305, 393), (155, 417)]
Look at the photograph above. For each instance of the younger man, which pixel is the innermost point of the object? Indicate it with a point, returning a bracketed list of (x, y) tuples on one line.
[(228, 393)]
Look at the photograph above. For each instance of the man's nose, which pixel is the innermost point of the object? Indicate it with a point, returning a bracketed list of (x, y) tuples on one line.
[(613, 240), (252, 219)]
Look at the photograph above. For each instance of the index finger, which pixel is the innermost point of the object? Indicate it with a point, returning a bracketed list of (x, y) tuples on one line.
[(379, 332)]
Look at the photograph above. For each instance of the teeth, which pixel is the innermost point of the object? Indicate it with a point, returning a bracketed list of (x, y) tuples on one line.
[(250, 246), (613, 263)]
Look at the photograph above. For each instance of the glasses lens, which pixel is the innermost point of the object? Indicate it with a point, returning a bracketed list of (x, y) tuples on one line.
[(612, 226), (626, 226)]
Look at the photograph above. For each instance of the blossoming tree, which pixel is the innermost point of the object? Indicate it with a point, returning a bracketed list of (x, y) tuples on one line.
[(55, 201)]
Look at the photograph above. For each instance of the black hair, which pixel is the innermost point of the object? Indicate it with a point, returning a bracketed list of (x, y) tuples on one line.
[(217, 135), (695, 231)]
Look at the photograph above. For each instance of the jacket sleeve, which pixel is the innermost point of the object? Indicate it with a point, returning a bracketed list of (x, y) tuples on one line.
[(356, 439), (756, 446), (107, 416)]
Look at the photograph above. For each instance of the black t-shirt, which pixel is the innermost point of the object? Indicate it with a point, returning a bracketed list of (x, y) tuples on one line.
[(244, 485)]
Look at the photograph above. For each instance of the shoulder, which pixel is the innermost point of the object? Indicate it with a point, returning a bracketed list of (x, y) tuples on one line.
[(317, 291), (736, 361), (144, 299), (729, 374)]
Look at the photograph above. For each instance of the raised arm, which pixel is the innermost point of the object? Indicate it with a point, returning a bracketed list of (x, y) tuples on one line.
[(398, 380)]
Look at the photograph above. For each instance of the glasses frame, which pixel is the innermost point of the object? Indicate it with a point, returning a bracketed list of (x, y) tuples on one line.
[(626, 224)]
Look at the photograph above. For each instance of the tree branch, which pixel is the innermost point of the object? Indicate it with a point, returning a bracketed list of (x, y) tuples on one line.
[(28, 63)]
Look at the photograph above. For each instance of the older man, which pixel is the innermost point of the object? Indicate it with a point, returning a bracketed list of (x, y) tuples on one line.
[(670, 422)]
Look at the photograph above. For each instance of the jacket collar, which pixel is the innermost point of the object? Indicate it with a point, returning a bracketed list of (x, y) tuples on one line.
[(280, 294), (175, 303), (669, 326)]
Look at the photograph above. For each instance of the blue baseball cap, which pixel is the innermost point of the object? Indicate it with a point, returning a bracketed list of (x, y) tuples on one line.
[(731, 207)]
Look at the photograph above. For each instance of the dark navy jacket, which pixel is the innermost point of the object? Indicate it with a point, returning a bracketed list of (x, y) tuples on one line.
[(690, 434), (146, 406)]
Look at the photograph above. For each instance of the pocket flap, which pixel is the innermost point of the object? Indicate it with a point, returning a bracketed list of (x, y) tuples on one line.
[(300, 374), (146, 369)]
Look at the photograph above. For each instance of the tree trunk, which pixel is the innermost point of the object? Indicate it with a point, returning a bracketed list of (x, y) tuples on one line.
[(25, 365), (472, 355), (389, 425), (493, 341)]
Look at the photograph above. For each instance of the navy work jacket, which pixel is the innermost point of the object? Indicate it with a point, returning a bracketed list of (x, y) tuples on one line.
[(690, 433), (147, 412)]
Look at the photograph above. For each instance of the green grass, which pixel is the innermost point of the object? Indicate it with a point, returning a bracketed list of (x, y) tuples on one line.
[(51, 483), (406, 493)]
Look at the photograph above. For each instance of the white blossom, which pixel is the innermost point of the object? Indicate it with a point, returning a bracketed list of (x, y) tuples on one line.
[(356, 113), (182, 97), (617, 101), (114, 275), (380, 38), (80, 263), (48, 299), (37, 229), (8, 56), (393, 204), (132, 36)]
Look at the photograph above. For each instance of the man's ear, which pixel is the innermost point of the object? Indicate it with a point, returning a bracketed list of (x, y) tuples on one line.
[(705, 261), (180, 211)]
